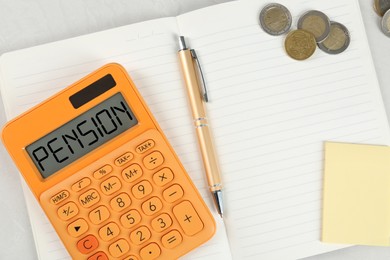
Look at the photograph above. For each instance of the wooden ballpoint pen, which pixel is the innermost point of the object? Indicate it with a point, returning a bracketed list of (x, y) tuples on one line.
[(188, 59)]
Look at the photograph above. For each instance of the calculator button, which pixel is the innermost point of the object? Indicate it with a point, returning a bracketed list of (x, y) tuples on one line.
[(142, 189), (98, 256), (150, 252), (81, 184), (110, 185), (153, 160), (152, 206), (188, 218), (109, 231), (59, 197), (130, 257), (132, 173), (103, 171), (172, 239), (68, 211), (120, 202), (161, 222), (119, 248), (89, 198), (163, 176), (87, 244), (173, 193), (145, 146), (99, 215), (78, 227), (140, 235), (130, 218), (123, 159)]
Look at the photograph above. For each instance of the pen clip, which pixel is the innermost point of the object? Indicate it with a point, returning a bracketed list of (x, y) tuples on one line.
[(204, 89)]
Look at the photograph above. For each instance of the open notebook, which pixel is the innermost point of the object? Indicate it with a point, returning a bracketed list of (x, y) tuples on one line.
[(269, 114)]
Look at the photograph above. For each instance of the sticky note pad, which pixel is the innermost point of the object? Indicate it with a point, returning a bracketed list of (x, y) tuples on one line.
[(356, 198)]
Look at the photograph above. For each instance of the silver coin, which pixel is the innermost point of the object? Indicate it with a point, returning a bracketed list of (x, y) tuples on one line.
[(315, 22), (386, 23), (338, 39), (275, 19)]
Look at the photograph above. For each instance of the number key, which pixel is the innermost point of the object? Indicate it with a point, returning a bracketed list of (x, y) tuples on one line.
[(109, 231), (161, 222), (119, 248), (120, 202), (99, 215), (140, 235), (130, 218), (152, 206), (142, 189)]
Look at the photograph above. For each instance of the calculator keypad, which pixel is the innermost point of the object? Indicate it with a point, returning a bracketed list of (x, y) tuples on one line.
[(134, 203)]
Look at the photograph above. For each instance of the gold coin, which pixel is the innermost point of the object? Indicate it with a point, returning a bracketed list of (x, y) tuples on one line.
[(300, 44)]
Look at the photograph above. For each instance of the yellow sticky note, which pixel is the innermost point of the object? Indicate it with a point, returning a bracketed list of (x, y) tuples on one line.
[(356, 199)]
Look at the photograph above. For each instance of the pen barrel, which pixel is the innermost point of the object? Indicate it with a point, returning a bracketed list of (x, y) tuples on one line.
[(209, 156), (203, 132)]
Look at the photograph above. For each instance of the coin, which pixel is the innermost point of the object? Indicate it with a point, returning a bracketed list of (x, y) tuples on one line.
[(386, 23), (381, 6), (337, 41), (275, 19), (315, 22), (300, 44)]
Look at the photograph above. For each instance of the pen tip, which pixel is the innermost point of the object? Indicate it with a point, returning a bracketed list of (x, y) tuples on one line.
[(182, 43)]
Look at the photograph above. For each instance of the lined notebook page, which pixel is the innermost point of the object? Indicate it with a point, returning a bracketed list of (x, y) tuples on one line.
[(149, 53), (270, 115)]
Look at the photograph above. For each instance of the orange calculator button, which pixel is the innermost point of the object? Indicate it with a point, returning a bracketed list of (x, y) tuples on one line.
[(87, 244), (150, 252), (68, 211), (109, 231), (132, 173), (145, 146), (99, 215), (59, 197), (153, 160), (152, 206), (163, 176), (188, 218), (98, 256), (123, 159), (89, 198), (161, 222), (172, 239), (120, 202), (173, 193), (103, 171), (78, 227), (119, 248), (130, 257), (140, 235), (110, 185), (142, 189), (130, 218), (81, 184)]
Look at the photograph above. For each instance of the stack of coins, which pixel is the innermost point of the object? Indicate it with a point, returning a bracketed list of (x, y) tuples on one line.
[(382, 8), (314, 28)]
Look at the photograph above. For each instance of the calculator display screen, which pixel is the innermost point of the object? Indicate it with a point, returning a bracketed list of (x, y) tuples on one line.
[(81, 135)]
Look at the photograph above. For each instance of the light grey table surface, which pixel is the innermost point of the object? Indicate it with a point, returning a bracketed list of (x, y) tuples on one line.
[(26, 23)]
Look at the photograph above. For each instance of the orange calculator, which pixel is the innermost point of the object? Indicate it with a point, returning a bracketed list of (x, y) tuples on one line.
[(105, 174)]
